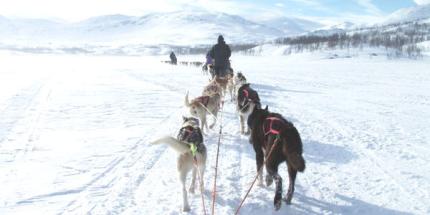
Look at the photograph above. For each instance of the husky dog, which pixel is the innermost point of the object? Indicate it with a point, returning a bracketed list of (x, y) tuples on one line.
[(234, 83), (276, 140), (239, 80), (247, 100), (230, 86), (212, 88), (192, 155), (203, 105), (222, 82)]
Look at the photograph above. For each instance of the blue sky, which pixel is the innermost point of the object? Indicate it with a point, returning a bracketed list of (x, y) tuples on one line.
[(257, 9), (334, 7)]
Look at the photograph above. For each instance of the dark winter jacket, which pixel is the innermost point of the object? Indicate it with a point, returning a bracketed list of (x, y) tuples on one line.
[(173, 59), (221, 53)]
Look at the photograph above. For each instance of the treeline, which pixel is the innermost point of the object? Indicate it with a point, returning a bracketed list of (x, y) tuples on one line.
[(203, 49), (398, 39)]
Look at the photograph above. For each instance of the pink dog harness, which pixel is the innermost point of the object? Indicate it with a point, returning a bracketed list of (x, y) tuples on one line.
[(269, 126)]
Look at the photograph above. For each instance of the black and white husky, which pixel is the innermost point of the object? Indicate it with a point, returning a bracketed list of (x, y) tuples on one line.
[(247, 100), (234, 82), (192, 155)]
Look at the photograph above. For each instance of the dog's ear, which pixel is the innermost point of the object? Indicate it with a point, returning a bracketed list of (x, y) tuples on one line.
[(266, 108)]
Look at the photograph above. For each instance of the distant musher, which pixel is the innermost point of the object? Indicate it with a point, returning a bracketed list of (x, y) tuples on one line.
[(221, 53), (173, 59)]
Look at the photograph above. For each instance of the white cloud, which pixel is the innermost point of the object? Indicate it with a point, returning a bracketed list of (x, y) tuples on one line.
[(279, 5), (314, 4), (420, 2), (77, 10), (81, 9), (369, 7), (308, 2)]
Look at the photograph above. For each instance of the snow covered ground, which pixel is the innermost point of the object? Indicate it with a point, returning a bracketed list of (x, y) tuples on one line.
[(74, 133)]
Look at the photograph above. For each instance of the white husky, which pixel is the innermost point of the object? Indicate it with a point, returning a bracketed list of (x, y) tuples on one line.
[(189, 137)]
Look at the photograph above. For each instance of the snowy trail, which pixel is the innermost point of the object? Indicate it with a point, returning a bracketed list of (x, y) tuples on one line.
[(80, 128)]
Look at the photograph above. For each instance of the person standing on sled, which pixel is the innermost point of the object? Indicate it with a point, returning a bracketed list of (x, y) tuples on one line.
[(221, 53)]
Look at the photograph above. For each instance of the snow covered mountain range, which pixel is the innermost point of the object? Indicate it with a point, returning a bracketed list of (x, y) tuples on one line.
[(421, 12), (185, 28)]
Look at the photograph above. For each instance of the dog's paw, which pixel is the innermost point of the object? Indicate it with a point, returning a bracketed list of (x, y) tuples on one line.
[(186, 208), (192, 190), (277, 204), (260, 183), (202, 190), (269, 180), (288, 199)]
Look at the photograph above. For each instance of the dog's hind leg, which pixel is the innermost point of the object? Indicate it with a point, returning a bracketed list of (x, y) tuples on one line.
[(292, 173), (183, 177), (193, 180), (201, 169), (204, 122), (259, 157), (215, 114), (272, 164), (242, 124), (272, 174), (278, 191)]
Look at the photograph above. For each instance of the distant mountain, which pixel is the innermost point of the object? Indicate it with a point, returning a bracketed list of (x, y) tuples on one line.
[(292, 26), (419, 12), (337, 28), (186, 27), (25, 30)]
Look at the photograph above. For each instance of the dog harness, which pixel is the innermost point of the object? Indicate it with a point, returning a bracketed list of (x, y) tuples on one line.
[(204, 100), (192, 137), (249, 96), (272, 125), (246, 93)]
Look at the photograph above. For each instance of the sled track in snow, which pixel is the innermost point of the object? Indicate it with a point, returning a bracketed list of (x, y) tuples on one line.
[(127, 165), (132, 167), (17, 107), (23, 115), (349, 134)]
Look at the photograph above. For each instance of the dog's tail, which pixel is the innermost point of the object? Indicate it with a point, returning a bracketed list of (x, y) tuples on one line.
[(187, 101), (292, 148), (175, 144)]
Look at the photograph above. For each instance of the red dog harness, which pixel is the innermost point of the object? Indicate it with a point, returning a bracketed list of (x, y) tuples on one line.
[(204, 100), (188, 132), (246, 93), (272, 125)]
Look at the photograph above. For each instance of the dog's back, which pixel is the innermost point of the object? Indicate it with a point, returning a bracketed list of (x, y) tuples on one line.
[(264, 123), (212, 88), (222, 81)]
